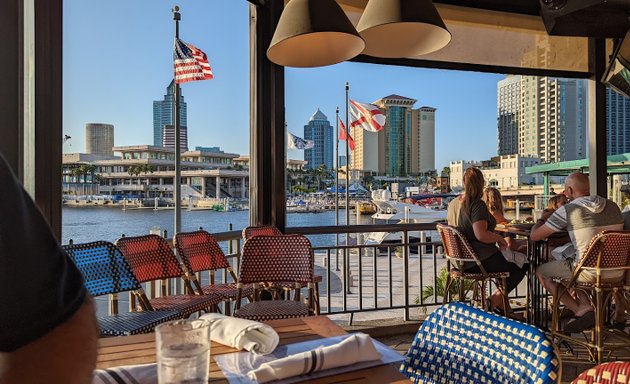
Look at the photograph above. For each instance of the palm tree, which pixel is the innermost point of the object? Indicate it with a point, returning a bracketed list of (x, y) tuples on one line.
[(440, 286)]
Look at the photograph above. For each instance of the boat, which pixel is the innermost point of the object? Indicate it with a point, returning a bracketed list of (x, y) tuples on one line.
[(427, 208)]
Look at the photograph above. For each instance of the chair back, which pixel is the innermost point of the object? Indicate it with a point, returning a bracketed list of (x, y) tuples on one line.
[(267, 230), (150, 257), (456, 245), (276, 258), (612, 372), (200, 251), (458, 343), (608, 249), (103, 267)]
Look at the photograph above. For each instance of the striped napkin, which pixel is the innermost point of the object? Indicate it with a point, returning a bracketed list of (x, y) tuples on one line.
[(242, 333), (127, 374), (352, 350)]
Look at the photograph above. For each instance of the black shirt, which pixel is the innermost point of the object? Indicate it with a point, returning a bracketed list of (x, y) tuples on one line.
[(40, 287)]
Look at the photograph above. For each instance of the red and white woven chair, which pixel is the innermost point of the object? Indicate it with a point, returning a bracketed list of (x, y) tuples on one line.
[(608, 251), (267, 261), (614, 372), (151, 258), (199, 252), (270, 230)]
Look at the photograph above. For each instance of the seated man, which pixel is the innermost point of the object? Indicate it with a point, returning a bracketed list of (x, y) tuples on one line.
[(583, 217), (48, 329)]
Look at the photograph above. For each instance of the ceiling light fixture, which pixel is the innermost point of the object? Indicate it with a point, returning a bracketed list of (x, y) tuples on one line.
[(314, 33), (402, 28)]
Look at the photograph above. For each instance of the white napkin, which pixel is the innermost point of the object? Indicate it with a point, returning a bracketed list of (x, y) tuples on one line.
[(127, 374), (354, 349), (518, 258), (242, 333)]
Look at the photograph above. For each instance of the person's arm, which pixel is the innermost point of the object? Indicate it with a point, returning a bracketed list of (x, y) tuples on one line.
[(543, 219), (480, 228), (556, 222), (67, 354), (47, 321)]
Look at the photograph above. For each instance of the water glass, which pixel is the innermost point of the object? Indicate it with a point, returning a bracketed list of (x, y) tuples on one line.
[(183, 352)]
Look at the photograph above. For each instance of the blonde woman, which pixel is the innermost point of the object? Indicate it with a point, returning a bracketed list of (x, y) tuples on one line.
[(494, 201)]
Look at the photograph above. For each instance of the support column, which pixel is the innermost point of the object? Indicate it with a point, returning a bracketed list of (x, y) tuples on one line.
[(242, 187), (267, 130), (203, 186), (597, 117), (217, 193)]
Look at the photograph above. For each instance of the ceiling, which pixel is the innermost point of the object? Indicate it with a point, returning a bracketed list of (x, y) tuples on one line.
[(526, 7)]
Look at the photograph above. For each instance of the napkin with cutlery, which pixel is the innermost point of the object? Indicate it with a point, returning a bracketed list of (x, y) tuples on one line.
[(242, 333), (354, 349)]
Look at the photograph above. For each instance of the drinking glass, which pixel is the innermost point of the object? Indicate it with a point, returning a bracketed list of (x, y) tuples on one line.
[(183, 352)]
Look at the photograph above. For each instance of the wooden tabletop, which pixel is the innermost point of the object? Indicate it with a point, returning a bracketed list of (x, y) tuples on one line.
[(140, 349)]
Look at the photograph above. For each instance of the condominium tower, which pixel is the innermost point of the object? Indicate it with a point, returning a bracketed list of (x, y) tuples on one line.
[(542, 117), (163, 114), (617, 123), (322, 134), (99, 139)]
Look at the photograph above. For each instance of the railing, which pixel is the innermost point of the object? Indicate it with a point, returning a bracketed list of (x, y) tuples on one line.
[(405, 276)]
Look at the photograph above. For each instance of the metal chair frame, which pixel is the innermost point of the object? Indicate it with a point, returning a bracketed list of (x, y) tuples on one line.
[(597, 259), (287, 258), (106, 272), (270, 230), (152, 259), (199, 252), (462, 252)]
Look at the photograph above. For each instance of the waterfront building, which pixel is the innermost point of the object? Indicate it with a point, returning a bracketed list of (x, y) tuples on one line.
[(163, 114), (292, 164), (99, 139), (168, 141), (423, 140), (322, 134), (146, 171), (458, 167), (546, 115), (503, 172), (617, 123), (395, 140)]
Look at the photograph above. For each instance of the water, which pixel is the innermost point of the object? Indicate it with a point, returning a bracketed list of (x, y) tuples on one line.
[(100, 223), (185, 363)]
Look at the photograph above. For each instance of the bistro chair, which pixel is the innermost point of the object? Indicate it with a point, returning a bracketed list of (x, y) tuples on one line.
[(271, 230), (608, 251), (151, 258), (200, 251), (105, 272), (458, 343), (458, 251), (613, 372), (267, 260)]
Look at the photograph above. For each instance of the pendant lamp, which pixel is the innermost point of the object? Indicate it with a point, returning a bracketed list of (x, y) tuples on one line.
[(402, 28), (314, 33)]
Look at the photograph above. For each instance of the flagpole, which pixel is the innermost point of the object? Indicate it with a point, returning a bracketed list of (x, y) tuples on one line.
[(176, 183), (337, 190), (346, 266)]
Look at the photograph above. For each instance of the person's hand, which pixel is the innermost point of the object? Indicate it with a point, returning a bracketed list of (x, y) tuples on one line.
[(502, 243)]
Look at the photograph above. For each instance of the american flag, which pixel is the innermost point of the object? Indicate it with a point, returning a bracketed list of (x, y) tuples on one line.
[(366, 116), (191, 63), (343, 134)]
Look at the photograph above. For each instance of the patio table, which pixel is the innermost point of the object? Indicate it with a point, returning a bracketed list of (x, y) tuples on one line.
[(537, 297), (140, 349)]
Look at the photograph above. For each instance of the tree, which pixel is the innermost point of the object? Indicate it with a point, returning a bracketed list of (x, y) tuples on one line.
[(446, 171)]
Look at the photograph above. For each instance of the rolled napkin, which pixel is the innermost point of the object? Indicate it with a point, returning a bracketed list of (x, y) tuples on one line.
[(127, 374), (242, 333), (355, 349)]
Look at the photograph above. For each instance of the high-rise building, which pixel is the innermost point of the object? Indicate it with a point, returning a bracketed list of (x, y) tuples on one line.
[(322, 134), (617, 123), (163, 114), (423, 140), (99, 139), (395, 140), (168, 140), (550, 115)]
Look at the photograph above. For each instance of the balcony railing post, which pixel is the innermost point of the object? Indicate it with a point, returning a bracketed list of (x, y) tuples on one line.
[(406, 274)]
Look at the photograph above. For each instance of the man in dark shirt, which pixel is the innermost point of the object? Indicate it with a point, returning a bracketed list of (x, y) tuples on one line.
[(47, 325)]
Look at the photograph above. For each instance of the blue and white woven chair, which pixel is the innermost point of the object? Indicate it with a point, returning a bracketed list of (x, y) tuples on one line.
[(105, 272), (458, 343)]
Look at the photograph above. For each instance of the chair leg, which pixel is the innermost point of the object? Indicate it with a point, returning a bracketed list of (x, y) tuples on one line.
[(462, 292), (316, 299), (484, 302), (599, 325), (504, 292), (447, 290)]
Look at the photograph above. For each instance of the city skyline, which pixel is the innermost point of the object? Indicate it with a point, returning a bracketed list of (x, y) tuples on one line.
[(218, 109)]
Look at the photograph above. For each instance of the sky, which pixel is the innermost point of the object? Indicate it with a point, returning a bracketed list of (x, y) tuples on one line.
[(117, 59)]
